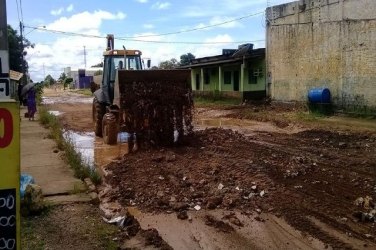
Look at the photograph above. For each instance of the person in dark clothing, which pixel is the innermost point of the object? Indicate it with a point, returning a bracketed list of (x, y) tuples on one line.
[(31, 104)]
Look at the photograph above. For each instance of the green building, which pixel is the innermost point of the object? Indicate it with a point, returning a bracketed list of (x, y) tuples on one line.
[(236, 73)]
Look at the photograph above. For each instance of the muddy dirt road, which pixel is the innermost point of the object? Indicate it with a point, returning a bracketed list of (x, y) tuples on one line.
[(260, 185)]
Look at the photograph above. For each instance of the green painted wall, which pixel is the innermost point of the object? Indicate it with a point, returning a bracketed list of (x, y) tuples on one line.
[(254, 66), (232, 69), (258, 65)]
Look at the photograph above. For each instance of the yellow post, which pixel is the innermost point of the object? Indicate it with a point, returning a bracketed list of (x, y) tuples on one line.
[(9, 175)]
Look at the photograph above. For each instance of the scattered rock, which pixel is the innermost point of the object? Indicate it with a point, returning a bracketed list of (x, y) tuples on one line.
[(258, 218), (171, 158), (213, 202), (258, 210), (344, 219), (33, 202), (94, 199), (197, 207), (262, 193), (368, 236), (220, 186), (179, 206), (158, 158), (182, 215), (56, 151), (160, 193), (342, 144)]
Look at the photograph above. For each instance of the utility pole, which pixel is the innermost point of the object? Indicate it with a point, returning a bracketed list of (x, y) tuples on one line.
[(4, 54), (85, 55), (22, 56)]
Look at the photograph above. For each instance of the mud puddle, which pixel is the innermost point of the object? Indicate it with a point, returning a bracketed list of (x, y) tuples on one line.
[(55, 112), (93, 151)]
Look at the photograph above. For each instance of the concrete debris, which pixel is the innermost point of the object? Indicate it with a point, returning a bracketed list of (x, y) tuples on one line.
[(262, 193), (366, 202), (197, 207), (368, 236), (366, 217), (344, 219)]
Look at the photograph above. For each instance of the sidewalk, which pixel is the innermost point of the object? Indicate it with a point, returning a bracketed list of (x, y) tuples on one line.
[(48, 168)]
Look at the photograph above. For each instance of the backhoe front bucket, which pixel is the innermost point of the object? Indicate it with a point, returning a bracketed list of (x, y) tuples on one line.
[(156, 105)]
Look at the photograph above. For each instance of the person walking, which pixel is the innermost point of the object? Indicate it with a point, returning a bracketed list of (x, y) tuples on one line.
[(31, 104)]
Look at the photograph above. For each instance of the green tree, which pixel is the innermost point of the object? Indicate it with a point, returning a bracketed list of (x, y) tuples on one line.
[(99, 65), (49, 80), (16, 50), (186, 59), (67, 81), (169, 64), (62, 77)]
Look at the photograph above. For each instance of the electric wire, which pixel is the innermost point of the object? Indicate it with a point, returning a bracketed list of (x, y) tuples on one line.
[(134, 38)]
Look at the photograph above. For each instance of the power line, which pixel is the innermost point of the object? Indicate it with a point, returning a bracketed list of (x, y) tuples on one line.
[(135, 40), (196, 29)]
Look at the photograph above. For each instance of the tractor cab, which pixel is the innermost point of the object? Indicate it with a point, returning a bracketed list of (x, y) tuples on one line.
[(115, 60)]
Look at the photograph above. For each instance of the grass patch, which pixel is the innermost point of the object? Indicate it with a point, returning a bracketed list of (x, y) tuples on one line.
[(73, 158), (86, 92), (30, 239)]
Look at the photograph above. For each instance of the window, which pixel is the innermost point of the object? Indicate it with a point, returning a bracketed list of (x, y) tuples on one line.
[(227, 77), (252, 77)]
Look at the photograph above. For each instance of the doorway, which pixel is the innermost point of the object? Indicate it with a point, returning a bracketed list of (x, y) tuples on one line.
[(236, 80), (197, 81)]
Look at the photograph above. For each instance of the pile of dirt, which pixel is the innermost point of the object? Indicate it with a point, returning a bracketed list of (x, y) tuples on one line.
[(293, 176)]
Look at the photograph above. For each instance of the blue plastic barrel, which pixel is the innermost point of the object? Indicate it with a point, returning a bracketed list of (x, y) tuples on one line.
[(319, 95)]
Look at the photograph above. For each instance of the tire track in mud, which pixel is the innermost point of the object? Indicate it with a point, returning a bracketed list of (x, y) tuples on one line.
[(291, 173)]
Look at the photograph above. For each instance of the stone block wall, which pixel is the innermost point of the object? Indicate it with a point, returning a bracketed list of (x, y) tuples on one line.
[(323, 43)]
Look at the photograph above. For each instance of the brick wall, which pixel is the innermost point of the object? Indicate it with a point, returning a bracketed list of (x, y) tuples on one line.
[(330, 43)]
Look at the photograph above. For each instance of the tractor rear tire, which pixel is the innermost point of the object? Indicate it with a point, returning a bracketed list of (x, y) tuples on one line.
[(109, 129), (98, 112)]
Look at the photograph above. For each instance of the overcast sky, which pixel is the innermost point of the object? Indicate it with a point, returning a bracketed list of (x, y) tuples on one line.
[(135, 20)]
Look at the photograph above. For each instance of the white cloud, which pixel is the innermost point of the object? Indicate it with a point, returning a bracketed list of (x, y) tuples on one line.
[(67, 51), (57, 12), (142, 1), (148, 26), (70, 8), (161, 5), (84, 21)]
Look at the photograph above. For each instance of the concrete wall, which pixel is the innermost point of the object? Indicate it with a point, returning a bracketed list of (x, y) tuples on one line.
[(315, 43)]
